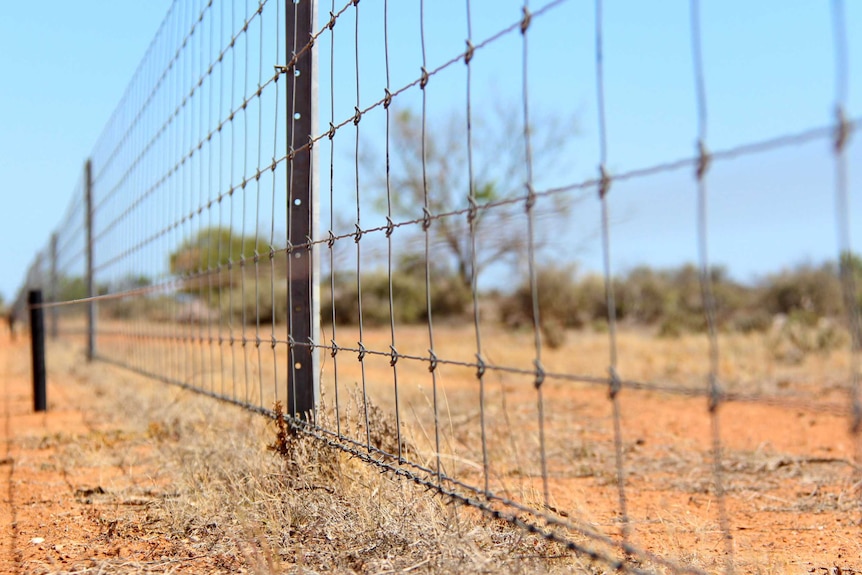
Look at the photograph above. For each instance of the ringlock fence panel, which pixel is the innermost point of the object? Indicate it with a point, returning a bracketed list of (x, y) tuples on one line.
[(474, 244)]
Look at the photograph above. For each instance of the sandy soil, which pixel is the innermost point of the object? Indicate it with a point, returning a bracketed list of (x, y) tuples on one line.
[(78, 486), (76, 491)]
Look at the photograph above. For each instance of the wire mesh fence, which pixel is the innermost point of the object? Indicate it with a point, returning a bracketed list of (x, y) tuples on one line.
[(393, 221)]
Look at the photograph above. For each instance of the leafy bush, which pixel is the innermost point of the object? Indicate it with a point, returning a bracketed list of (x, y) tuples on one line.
[(449, 297), (255, 302), (559, 301), (806, 289), (671, 300), (152, 308), (647, 295)]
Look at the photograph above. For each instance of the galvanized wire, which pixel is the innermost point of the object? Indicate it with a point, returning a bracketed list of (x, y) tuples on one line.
[(426, 226), (393, 362), (474, 268), (613, 374), (843, 132), (358, 236), (709, 305)]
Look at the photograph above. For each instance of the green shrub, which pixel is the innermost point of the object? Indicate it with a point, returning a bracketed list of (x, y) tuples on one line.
[(816, 290), (646, 294), (254, 302), (158, 308), (557, 298), (750, 320), (449, 298), (560, 304)]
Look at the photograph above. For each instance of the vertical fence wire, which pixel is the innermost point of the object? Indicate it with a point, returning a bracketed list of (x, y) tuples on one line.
[(331, 238), (529, 204), (288, 256), (426, 226), (389, 230), (708, 296), (212, 266), (843, 131), (604, 188), (231, 222), (473, 216), (258, 221), (358, 237)]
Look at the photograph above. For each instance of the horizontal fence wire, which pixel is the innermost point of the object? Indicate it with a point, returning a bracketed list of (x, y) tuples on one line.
[(437, 225)]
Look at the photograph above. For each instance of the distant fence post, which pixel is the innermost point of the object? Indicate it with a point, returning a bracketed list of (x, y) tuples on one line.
[(52, 288), (302, 388), (91, 305), (37, 345)]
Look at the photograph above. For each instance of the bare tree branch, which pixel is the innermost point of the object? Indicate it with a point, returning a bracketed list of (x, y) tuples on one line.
[(499, 168)]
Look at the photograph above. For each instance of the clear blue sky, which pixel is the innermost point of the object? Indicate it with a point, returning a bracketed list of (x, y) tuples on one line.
[(64, 67), (769, 71)]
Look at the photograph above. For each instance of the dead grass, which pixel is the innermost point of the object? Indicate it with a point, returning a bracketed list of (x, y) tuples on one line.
[(221, 493), (217, 489)]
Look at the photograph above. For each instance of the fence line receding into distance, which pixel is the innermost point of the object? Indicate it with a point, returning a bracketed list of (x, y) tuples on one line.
[(322, 204)]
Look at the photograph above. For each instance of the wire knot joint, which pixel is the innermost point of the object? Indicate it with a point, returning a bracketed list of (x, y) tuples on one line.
[(604, 182), (540, 373), (432, 361), (615, 385), (473, 210), (703, 159), (525, 21), (468, 54), (531, 198), (715, 394), (480, 366), (426, 219), (842, 130)]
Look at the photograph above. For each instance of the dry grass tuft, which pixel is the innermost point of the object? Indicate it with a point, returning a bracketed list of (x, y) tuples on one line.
[(245, 494), (249, 495)]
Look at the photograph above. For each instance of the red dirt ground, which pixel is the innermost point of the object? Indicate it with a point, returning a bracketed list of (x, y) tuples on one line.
[(76, 486), (75, 494)]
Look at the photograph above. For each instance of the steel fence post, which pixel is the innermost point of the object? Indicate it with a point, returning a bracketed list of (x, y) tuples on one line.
[(37, 346), (91, 305), (302, 387)]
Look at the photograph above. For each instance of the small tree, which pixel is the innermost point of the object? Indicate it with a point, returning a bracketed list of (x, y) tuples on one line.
[(212, 248), (439, 169)]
